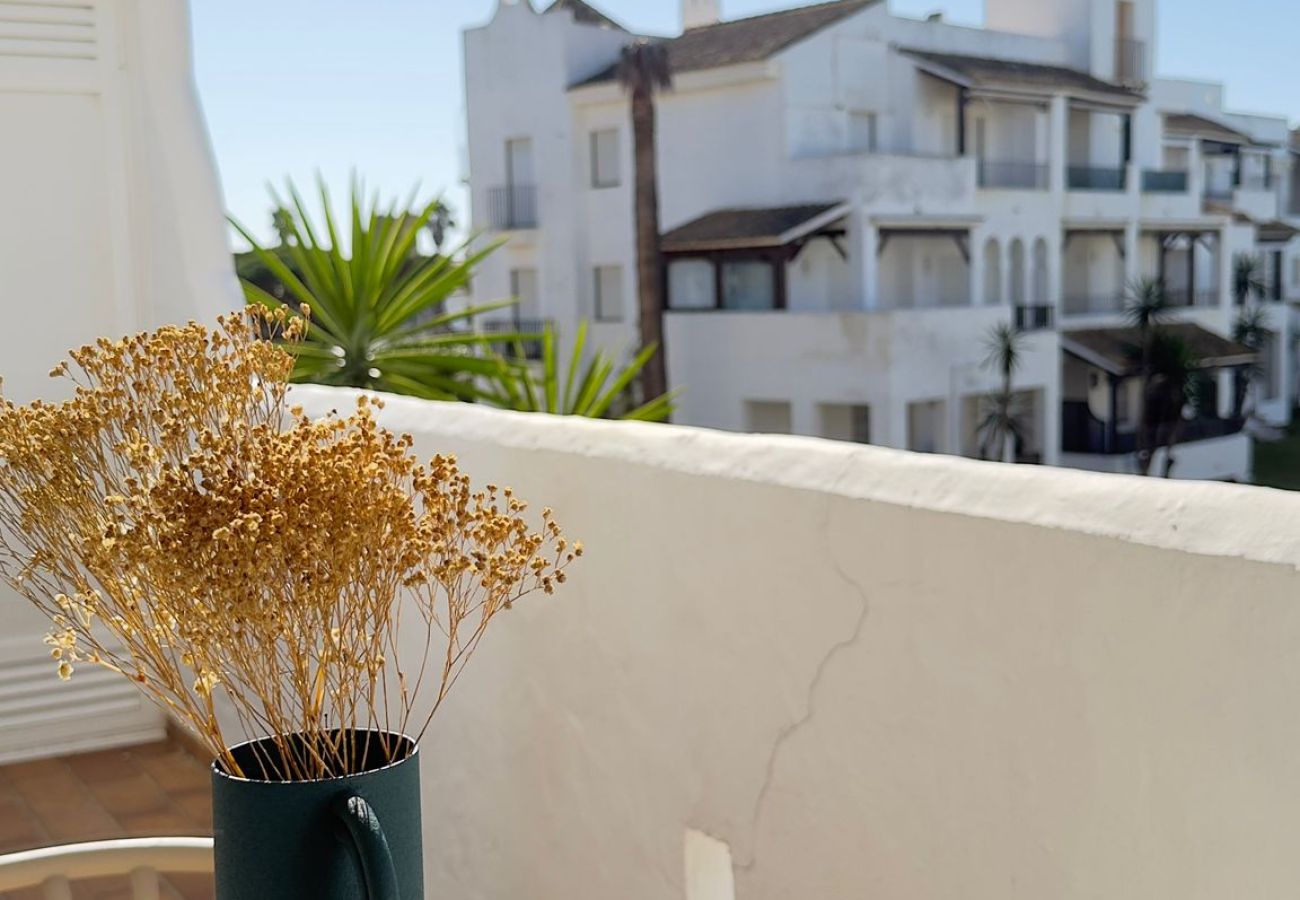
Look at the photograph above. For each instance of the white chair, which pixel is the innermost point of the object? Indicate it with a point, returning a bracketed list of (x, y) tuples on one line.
[(139, 859)]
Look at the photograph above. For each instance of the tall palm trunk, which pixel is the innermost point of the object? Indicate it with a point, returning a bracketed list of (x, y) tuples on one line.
[(1146, 438), (649, 272)]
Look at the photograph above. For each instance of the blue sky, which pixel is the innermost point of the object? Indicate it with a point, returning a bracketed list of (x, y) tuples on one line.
[(295, 86)]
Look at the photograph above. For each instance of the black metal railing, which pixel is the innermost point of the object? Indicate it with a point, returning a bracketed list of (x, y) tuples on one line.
[(1155, 181), (1201, 298), (1082, 432), (1097, 178), (512, 207), (1077, 304), (1130, 61), (1033, 317), (1022, 175), (526, 334)]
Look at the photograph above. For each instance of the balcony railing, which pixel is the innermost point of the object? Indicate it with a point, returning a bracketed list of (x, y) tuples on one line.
[(1097, 178), (1022, 175), (1155, 181), (1223, 193), (1202, 298), (1130, 61), (1033, 317), (528, 347), (512, 208), (1256, 183), (1082, 304), (1082, 432)]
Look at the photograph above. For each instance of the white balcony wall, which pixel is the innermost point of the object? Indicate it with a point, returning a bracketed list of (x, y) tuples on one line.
[(883, 360), (1228, 458), (887, 184), (860, 669)]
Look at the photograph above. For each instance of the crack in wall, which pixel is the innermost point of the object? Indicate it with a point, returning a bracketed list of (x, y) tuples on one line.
[(810, 710)]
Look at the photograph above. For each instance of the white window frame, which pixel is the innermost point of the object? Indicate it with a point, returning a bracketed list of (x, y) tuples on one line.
[(598, 293)]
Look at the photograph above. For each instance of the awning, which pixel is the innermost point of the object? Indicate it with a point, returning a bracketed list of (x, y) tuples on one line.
[(1275, 232), (746, 229), (1192, 125), (994, 74), (1117, 351)]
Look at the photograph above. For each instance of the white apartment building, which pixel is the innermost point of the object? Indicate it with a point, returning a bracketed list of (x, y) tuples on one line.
[(852, 199)]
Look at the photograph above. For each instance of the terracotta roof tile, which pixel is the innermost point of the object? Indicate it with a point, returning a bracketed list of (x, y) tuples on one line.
[(747, 40)]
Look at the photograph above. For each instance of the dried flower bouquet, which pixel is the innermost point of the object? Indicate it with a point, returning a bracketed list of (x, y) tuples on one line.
[(179, 524)]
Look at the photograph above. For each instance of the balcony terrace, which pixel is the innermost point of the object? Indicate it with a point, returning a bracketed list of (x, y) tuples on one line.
[(512, 208)]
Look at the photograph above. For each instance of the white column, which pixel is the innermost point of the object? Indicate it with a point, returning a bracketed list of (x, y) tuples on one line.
[(804, 419), (977, 239), (866, 243), (1055, 271), (1058, 115), (1132, 262), (1195, 170), (1223, 258)]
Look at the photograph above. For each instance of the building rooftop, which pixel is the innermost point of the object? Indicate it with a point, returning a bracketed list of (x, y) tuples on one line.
[(735, 228), (584, 13), (745, 40), (990, 72)]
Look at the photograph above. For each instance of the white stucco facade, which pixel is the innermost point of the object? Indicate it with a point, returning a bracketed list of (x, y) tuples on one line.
[(800, 668), (1068, 175), (111, 223)]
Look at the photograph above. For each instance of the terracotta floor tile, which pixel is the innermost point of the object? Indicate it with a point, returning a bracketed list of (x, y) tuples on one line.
[(104, 765), (154, 789), (196, 806), (19, 829), (137, 793)]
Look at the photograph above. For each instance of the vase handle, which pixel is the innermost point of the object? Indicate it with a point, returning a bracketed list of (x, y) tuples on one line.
[(367, 835)]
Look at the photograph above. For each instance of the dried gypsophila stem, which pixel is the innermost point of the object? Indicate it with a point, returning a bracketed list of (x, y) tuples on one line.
[(179, 524)]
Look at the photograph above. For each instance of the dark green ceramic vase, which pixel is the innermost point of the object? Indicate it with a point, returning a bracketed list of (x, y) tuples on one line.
[(351, 838)]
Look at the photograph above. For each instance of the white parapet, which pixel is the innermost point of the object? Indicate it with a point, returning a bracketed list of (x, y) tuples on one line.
[(868, 673)]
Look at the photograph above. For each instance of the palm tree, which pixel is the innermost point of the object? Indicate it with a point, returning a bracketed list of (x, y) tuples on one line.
[(598, 390), (1148, 304), (644, 71), (1250, 327), (1001, 428), (1168, 394), (1251, 330), (1248, 278), (379, 315)]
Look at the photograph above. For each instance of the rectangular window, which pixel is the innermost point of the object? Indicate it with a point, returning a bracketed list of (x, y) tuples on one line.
[(846, 422), (748, 285), (926, 429), (863, 133), (604, 158), (520, 170), (768, 416), (608, 293), (691, 284)]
